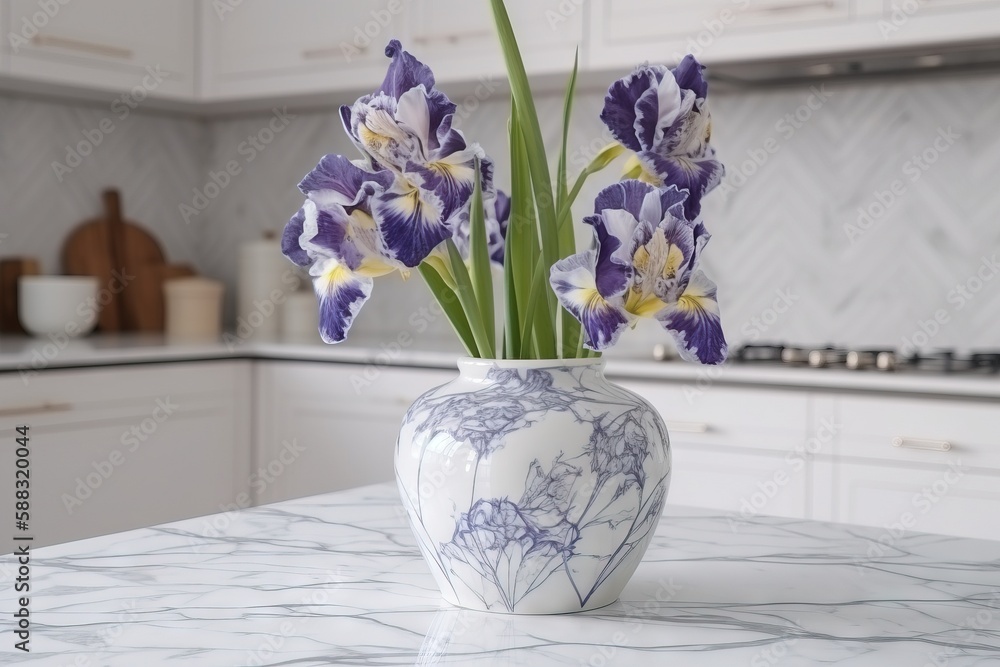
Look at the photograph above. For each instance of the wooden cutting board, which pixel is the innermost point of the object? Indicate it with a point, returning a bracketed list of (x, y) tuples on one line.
[(144, 300), (112, 249), (11, 269)]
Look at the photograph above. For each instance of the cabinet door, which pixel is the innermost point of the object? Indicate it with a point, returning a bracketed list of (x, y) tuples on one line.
[(264, 48), (121, 448), (949, 499), (741, 485), (327, 427), (457, 38), (115, 45)]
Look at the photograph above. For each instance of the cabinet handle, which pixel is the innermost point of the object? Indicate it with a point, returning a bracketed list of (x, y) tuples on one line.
[(71, 44), (328, 52), (35, 409), (453, 38), (918, 443), (688, 427), (779, 9)]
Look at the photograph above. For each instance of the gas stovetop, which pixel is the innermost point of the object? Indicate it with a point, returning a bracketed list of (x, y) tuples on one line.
[(944, 361)]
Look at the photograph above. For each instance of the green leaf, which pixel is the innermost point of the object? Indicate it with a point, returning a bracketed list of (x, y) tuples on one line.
[(467, 297), (522, 231), (451, 306), (479, 261), (562, 184), (527, 117), (512, 325), (600, 162)]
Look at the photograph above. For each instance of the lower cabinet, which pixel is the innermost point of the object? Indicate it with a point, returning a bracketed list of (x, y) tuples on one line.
[(325, 427), (113, 449), (899, 463)]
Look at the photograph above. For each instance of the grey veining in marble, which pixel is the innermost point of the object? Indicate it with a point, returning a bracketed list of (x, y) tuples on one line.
[(336, 580)]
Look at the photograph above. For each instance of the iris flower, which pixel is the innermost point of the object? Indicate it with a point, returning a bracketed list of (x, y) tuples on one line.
[(405, 127), (388, 211), (660, 114), (644, 265)]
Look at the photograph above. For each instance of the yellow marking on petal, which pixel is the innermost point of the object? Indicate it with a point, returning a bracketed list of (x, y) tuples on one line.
[(643, 305), (335, 276), (459, 173), (675, 258)]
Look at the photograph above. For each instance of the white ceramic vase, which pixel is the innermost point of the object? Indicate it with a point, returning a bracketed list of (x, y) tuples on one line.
[(532, 487)]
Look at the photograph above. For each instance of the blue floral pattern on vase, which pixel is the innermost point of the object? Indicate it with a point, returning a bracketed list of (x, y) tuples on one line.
[(532, 490)]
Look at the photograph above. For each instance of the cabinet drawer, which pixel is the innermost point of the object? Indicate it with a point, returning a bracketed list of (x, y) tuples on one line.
[(918, 430), (741, 484), (757, 418), (949, 499), (66, 397)]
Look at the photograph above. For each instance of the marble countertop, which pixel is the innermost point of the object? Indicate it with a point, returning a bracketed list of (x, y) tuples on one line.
[(19, 353), (337, 580)]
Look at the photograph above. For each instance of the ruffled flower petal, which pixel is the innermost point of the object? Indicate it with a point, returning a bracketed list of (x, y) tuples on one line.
[(338, 180), (341, 294), (411, 222), (290, 240), (574, 281), (619, 113), (405, 72), (694, 322)]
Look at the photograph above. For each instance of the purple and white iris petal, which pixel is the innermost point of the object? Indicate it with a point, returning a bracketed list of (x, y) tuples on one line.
[(338, 180), (451, 178), (405, 72), (615, 230), (619, 113), (694, 322), (341, 294), (411, 222), (697, 175), (574, 281), (689, 75), (290, 240), (626, 195)]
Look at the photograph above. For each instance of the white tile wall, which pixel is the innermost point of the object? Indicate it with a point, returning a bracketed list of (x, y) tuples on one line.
[(782, 230)]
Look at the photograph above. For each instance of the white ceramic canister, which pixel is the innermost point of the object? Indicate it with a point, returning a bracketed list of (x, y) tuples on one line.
[(193, 308), (264, 279), (300, 317)]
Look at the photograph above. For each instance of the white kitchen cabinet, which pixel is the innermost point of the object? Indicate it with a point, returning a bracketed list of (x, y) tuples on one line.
[(458, 39), (742, 451), (261, 48), (742, 485), (117, 448), (146, 46), (326, 427), (951, 498)]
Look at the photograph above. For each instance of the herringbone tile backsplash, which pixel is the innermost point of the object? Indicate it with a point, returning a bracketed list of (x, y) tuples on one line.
[(856, 213)]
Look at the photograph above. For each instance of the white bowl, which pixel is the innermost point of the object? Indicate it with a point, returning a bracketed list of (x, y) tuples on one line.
[(58, 305)]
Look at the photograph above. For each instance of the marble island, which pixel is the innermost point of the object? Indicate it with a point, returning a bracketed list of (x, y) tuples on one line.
[(336, 579)]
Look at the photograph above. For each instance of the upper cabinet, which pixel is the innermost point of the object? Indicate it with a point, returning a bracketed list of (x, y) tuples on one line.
[(626, 32), (145, 47), (245, 54), (458, 40), (262, 48)]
